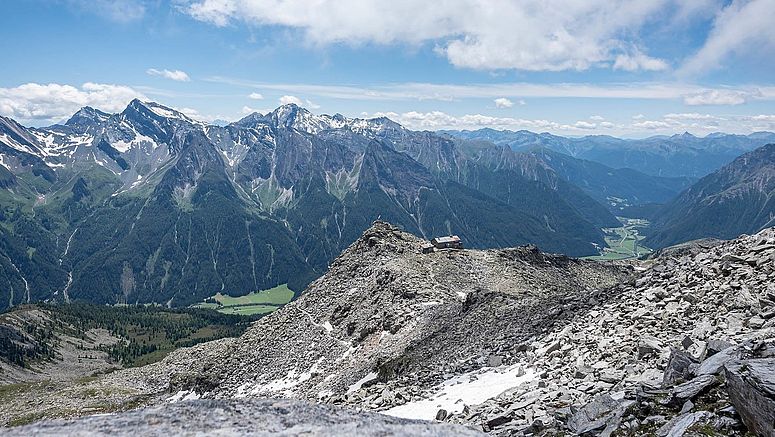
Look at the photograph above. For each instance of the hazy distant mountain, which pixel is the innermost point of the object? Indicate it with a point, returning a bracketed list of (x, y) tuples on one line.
[(149, 205), (738, 198), (673, 156), (614, 187)]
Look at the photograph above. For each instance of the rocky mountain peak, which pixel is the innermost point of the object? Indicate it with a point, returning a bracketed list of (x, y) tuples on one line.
[(138, 110), (87, 116)]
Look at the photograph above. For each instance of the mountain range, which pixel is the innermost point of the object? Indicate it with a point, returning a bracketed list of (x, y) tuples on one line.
[(149, 205), (680, 155)]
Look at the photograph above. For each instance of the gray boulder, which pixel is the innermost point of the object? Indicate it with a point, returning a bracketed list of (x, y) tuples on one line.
[(678, 426), (678, 367), (691, 389), (602, 416), (751, 388), (714, 364)]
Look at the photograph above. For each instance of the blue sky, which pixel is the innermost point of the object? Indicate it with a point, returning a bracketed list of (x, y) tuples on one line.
[(573, 67)]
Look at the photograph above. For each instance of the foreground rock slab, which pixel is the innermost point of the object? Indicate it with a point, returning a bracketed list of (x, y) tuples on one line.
[(264, 417), (751, 387)]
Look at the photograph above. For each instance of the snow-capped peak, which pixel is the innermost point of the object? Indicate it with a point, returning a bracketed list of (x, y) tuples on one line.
[(292, 116), (155, 109)]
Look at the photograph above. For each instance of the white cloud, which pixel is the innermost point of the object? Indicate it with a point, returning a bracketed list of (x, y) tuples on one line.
[(312, 105), (217, 12), (502, 103), (533, 35), (435, 120), (651, 124), (597, 118), (703, 124), (246, 110), (453, 92), (176, 75), (690, 116), (584, 125), (638, 117), (672, 123), (639, 61), (741, 27), (256, 96), (53, 102), (287, 100), (762, 117), (196, 115), (721, 97)]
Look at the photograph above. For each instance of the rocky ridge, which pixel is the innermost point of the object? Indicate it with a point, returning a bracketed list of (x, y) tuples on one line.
[(385, 309), (679, 348), (384, 314)]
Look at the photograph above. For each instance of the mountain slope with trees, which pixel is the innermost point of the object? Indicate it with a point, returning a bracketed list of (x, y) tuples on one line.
[(737, 199)]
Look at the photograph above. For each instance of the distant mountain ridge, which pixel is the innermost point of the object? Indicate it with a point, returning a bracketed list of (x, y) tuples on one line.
[(680, 155), (149, 205), (737, 199)]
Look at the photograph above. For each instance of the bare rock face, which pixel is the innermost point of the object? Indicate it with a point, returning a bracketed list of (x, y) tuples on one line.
[(265, 417), (751, 387), (409, 319), (659, 345)]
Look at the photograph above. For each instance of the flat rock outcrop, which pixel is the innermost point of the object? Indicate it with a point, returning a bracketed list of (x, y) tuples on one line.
[(264, 417)]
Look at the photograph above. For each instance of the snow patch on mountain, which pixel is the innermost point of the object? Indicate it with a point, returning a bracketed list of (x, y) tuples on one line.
[(140, 140), (10, 142), (471, 388)]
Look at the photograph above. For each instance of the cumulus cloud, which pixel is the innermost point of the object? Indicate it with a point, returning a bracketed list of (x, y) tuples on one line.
[(690, 116), (651, 124), (533, 35), (256, 96), (762, 117), (502, 103), (176, 75), (435, 120), (53, 102), (584, 125), (702, 124), (741, 27), (721, 97), (288, 100), (667, 124)]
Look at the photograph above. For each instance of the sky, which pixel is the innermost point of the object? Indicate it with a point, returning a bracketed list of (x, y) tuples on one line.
[(630, 68)]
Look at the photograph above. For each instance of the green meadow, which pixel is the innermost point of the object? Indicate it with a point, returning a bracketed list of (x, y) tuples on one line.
[(258, 302)]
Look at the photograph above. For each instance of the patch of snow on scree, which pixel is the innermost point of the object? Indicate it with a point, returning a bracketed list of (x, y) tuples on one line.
[(462, 390)]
